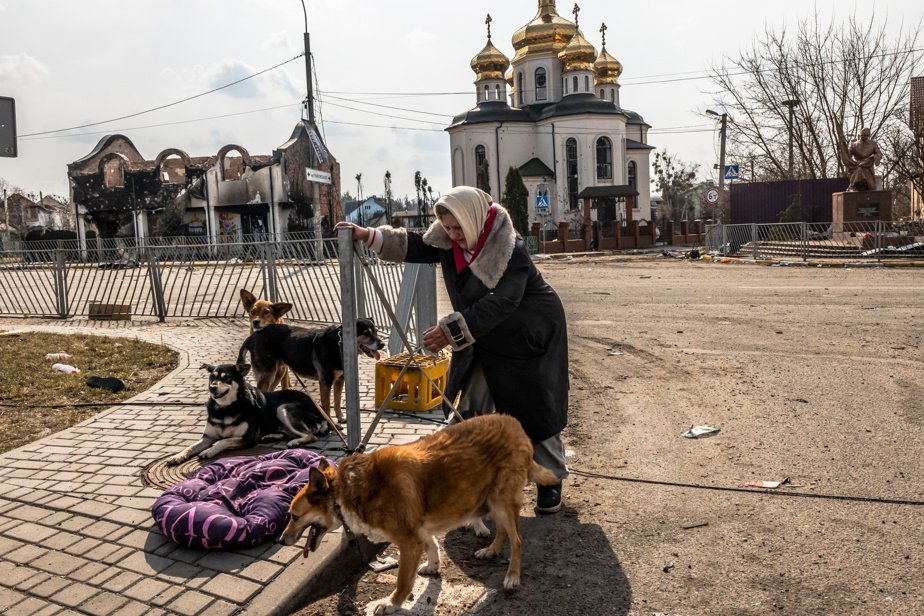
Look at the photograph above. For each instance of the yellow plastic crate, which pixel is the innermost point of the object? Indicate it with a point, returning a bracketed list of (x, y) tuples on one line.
[(415, 393)]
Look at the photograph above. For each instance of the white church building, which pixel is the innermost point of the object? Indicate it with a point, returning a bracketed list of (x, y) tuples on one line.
[(554, 113)]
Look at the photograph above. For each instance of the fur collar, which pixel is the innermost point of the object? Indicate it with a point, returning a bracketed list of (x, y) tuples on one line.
[(491, 263)]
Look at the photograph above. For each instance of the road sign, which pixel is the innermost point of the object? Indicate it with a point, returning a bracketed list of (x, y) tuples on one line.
[(542, 203), (7, 127), (712, 195), (315, 175), (732, 172)]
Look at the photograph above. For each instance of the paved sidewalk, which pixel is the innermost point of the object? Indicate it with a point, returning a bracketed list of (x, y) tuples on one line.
[(76, 533)]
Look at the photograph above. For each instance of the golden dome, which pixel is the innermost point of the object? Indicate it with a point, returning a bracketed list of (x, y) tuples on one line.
[(578, 54), (607, 68), (547, 32), (490, 63)]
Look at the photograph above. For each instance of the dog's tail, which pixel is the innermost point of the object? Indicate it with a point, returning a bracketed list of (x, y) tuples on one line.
[(541, 475), (244, 348)]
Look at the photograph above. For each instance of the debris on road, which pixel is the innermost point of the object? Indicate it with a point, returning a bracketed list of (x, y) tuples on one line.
[(383, 564), (58, 356), (770, 485), (700, 431), (65, 368)]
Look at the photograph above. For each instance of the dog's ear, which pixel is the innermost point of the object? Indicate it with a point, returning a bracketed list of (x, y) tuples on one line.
[(248, 299), (317, 482), (242, 368), (280, 308), (209, 367)]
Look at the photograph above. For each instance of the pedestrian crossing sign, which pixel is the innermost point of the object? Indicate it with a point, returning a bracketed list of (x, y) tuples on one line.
[(542, 203)]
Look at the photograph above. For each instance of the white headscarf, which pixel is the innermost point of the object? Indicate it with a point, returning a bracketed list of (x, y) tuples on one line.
[(470, 207)]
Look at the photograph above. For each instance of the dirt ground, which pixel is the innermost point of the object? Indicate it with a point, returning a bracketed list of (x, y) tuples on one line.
[(812, 374)]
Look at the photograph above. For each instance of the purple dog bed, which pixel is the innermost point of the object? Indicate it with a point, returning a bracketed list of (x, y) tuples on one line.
[(234, 502)]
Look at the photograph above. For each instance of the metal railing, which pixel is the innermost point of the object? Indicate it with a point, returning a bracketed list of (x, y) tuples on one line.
[(852, 241), (184, 278)]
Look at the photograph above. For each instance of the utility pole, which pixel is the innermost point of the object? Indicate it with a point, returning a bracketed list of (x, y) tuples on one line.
[(310, 99), (724, 117), (791, 103)]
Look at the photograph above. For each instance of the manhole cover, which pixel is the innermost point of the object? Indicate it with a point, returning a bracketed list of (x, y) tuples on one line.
[(158, 475)]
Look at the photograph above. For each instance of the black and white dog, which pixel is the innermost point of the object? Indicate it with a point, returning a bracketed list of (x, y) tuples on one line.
[(311, 353), (240, 415)]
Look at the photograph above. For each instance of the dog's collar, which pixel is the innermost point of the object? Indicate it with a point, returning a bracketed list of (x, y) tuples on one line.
[(346, 527)]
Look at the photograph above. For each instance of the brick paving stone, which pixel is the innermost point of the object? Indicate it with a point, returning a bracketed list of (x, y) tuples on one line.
[(74, 595), (34, 579), (147, 589), (75, 523), (187, 575), (225, 561), (132, 608), (58, 563), (9, 598), (92, 508), (118, 556), (121, 581), (98, 550), (231, 588), (107, 530), (49, 587), (9, 545), (189, 603), (130, 517), (143, 539), (220, 608), (91, 571), (27, 531), (261, 571), (32, 606), (25, 554), (63, 541), (146, 564), (12, 574), (103, 603), (66, 502)]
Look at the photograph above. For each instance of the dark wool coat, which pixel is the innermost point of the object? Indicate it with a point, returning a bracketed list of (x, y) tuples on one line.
[(513, 323)]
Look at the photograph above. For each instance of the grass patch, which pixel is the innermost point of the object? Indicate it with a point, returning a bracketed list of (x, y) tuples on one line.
[(36, 401)]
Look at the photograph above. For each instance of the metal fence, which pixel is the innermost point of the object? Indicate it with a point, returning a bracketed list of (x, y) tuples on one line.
[(184, 278), (855, 241)]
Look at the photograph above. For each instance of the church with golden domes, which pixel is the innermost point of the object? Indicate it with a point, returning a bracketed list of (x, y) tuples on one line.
[(554, 113)]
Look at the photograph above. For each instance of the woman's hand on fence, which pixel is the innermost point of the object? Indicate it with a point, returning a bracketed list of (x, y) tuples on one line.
[(434, 339), (360, 234)]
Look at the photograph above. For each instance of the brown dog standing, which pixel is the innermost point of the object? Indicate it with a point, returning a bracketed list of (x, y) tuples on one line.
[(260, 313), (406, 494)]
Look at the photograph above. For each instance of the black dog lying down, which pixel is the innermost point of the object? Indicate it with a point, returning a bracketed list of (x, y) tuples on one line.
[(240, 415), (311, 353)]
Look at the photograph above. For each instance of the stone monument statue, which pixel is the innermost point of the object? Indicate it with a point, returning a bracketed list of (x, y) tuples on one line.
[(860, 158)]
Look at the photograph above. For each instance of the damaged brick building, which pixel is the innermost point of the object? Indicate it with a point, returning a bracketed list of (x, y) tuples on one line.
[(228, 197)]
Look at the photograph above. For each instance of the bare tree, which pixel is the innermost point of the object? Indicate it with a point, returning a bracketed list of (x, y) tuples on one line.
[(675, 180), (843, 77)]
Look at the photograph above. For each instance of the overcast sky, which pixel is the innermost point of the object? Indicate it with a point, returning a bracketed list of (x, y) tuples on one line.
[(72, 63)]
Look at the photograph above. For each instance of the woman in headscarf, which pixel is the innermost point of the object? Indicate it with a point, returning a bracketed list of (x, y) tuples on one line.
[(508, 332)]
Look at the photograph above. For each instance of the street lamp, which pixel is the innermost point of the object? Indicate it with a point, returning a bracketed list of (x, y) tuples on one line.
[(724, 117), (791, 103), (310, 98)]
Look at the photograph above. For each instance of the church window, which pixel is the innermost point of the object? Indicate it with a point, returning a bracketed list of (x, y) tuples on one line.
[(574, 83), (601, 95), (604, 159), (113, 174), (632, 175), (571, 166), (485, 92), (586, 83), (541, 87), (497, 94), (480, 156), (520, 87)]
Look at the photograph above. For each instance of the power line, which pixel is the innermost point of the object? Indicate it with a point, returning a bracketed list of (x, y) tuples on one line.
[(122, 130), (132, 115)]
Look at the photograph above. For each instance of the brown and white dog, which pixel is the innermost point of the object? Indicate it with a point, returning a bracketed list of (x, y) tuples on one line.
[(260, 313), (406, 494)]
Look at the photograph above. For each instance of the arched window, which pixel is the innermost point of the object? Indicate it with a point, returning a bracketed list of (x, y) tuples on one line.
[(604, 159), (632, 175), (541, 87), (613, 94), (571, 166), (497, 92), (520, 87), (113, 173), (574, 83), (564, 85), (485, 92), (601, 95), (480, 155), (586, 83)]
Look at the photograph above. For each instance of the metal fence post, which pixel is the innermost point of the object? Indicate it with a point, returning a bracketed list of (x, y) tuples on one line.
[(61, 284), (348, 288), (269, 264), (754, 250), (879, 232), (360, 288), (804, 241), (157, 287)]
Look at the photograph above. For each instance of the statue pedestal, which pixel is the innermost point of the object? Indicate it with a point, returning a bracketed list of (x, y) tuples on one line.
[(850, 210)]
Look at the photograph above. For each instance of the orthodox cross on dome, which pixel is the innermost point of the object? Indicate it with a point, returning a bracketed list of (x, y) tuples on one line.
[(603, 33), (488, 23), (576, 10)]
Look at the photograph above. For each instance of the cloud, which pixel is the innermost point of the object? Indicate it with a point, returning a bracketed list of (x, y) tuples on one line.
[(21, 70), (278, 40), (227, 71)]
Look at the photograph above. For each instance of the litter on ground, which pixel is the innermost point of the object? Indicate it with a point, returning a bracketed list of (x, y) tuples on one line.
[(700, 431)]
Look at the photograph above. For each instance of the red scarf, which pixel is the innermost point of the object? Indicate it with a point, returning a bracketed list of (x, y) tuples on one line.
[(461, 263)]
